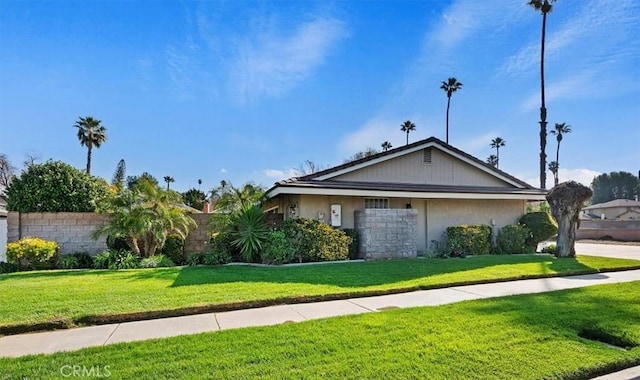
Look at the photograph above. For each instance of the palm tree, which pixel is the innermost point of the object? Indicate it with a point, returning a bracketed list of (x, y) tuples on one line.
[(492, 160), (199, 183), (544, 7), (553, 168), (450, 86), (386, 146), (497, 143), (168, 179), (407, 127), (90, 133), (559, 130)]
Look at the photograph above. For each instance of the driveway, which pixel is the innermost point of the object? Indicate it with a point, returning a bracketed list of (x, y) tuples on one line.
[(622, 250)]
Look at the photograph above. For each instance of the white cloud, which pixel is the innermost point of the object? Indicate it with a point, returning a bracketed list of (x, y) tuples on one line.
[(270, 64), (278, 174), (474, 144), (580, 175), (575, 86), (223, 170)]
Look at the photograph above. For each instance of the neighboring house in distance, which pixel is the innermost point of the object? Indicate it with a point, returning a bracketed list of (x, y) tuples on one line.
[(617, 209), (3, 227), (403, 199)]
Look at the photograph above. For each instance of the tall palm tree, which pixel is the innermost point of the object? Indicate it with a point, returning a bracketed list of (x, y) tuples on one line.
[(553, 168), (168, 179), (544, 7), (407, 127), (450, 86), (386, 146), (492, 160), (559, 130), (497, 143), (199, 183), (90, 133)]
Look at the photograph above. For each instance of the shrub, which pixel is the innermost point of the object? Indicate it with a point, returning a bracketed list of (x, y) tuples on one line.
[(541, 225), (277, 249), (550, 249), (195, 259), (8, 267), (249, 232), (220, 244), (111, 259), (316, 241), (32, 253), (353, 246), (117, 243), (174, 249), (512, 239), (85, 260), (67, 262), (156, 261), (469, 240), (216, 258)]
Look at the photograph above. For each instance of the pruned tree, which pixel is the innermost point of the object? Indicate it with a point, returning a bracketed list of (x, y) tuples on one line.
[(566, 200)]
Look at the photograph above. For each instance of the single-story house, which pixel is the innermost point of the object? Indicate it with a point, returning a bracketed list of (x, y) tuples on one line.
[(617, 209), (401, 201)]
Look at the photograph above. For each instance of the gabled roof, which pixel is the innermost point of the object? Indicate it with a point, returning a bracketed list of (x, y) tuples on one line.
[(321, 182), (614, 203)]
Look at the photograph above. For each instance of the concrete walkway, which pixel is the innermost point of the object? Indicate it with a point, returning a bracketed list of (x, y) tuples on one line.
[(74, 339)]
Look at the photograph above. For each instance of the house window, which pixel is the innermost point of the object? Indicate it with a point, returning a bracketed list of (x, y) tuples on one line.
[(376, 203), (426, 156)]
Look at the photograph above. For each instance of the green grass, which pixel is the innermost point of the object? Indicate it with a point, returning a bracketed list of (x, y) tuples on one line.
[(519, 337), (31, 300)]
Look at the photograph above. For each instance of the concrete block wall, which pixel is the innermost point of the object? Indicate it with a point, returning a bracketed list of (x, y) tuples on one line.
[(387, 233), (198, 239)]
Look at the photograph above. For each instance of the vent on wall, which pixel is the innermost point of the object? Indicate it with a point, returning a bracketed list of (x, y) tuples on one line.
[(426, 156)]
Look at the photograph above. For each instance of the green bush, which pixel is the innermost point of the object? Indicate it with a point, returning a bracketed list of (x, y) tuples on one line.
[(8, 267), (195, 259), (67, 262), (316, 241), (32, 253), (85, 260), (156, 261), (353, 246), (550, 249), (469, 240), (174, 249), (111, 259), (512, 239), (249, 232), (541, 225), (220, 245), (117, 243), (216, 258), (277, 249)]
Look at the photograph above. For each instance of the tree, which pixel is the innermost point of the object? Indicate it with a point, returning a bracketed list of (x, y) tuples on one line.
[(119, 175), (194, 198), (407, 127), (544, 7), (31, 158), (56, 187), (386, 146), (497, 143), (168, 179), (90, 133), (450, 86), (199, 183), (308, 167), (133, 180), (492, 160), (559, 130), (7, 171), (145, 216), (566, 201), (615, 185), (232, 199), (362, 154)]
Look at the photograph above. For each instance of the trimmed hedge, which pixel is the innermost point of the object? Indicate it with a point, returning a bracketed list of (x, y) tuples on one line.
[(469, 240), (512, 239), (316, 241), (541, 225)]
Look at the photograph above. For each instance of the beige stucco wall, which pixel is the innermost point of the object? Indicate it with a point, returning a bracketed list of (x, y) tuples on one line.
[(434, 215), (443, 170), (615, 212)]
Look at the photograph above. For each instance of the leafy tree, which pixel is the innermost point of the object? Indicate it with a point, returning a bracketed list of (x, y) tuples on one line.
[(492, 160), (169, 179), (194, 198), (386, 146), (233, 199), (450, 86), (362, 154), (146, 216), (56, 187), (544, 7), (498, 143), (119, 175), (90, 133), (7, 171), (615, 185), (407, 127), (133, 180), (559, 130)]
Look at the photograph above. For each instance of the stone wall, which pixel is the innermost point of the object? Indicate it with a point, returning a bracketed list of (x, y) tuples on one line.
[(387, 233), (73, 230)]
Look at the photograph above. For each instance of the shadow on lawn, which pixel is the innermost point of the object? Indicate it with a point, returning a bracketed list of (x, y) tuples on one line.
[(371, 273)]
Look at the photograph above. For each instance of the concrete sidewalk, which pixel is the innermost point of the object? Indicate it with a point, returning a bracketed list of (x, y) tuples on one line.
[(74, 339)]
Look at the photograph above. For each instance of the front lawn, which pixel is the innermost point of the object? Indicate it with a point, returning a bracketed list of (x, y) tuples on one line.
[(46, 299), (520, 337)]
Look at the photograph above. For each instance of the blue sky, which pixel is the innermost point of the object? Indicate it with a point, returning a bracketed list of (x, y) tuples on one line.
[(249, 90)]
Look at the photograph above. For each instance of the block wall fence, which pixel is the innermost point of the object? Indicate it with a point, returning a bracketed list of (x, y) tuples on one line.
[(73, 230)]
